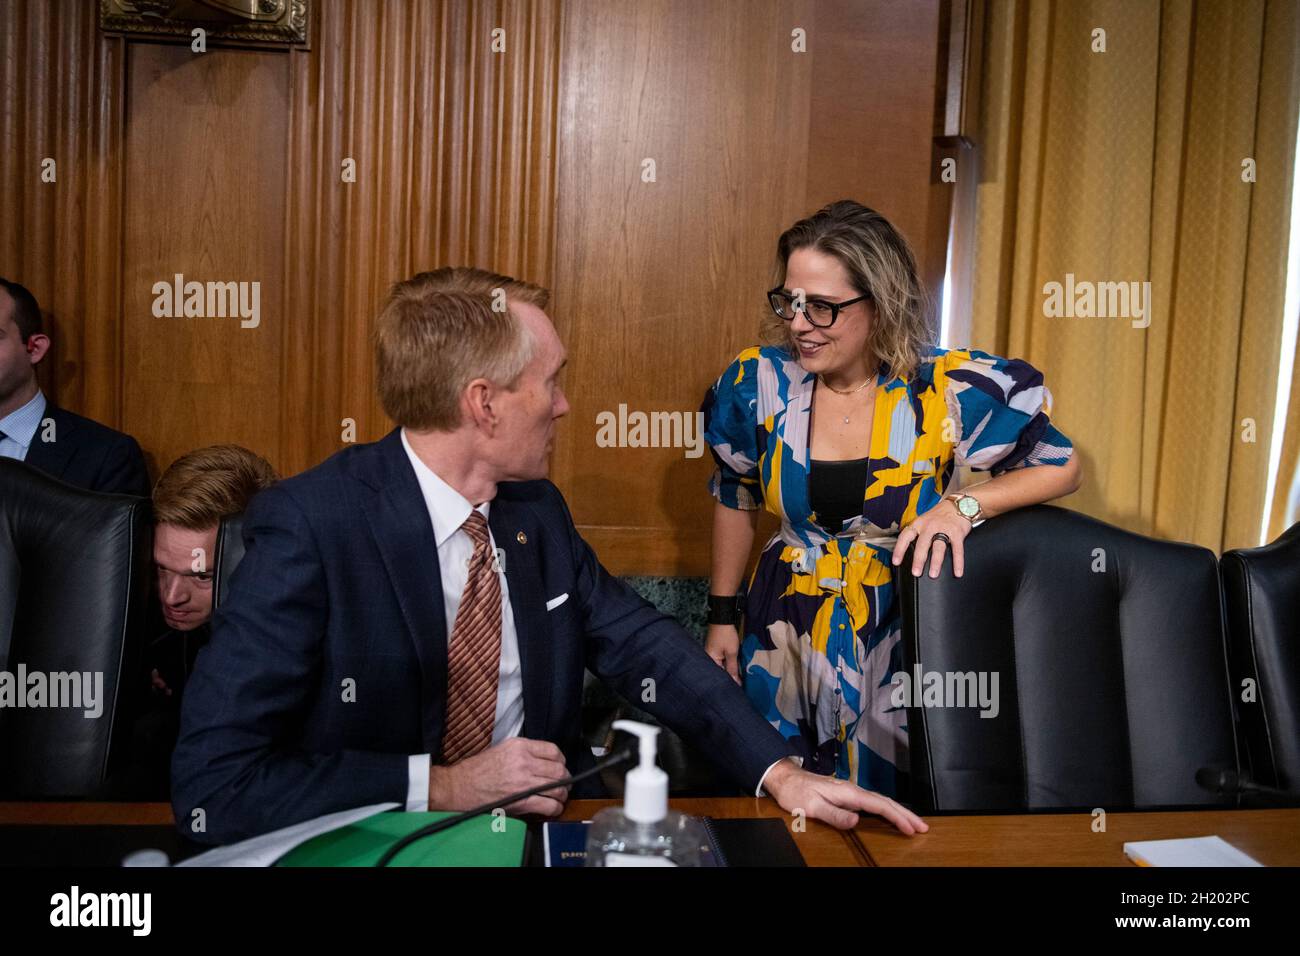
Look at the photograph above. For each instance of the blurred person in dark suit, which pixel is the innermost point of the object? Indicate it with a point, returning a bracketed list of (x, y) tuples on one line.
[(33, 429), (193, 496), (190, 500), (412, 619)]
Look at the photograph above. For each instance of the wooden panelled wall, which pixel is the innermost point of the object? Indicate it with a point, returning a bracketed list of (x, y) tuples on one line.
[(228, 166)]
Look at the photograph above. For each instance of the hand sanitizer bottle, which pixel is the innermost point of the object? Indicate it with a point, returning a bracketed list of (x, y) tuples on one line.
[(645, 832)]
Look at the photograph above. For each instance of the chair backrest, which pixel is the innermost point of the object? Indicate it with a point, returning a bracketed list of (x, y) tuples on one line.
[(74, 579), (230, 551), (1111, 660), (1261, 590)]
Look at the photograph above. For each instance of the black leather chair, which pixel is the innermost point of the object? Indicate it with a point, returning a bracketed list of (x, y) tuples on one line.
[(1112, 668), (1261, 590), (74, 578), (230, 551)]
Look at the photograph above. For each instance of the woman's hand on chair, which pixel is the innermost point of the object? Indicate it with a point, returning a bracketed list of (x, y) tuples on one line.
[(938, 531)]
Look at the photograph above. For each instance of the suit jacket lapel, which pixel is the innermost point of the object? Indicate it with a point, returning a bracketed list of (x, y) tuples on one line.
[(508, 519), (399, 520), (52, 457)]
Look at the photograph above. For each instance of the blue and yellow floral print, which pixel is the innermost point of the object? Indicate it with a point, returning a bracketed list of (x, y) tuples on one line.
[(822, 638)]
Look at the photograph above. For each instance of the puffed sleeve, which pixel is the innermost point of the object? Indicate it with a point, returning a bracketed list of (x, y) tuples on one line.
[(1001, 410), (731, 429)]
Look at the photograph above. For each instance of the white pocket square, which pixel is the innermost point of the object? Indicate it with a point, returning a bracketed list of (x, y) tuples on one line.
[(555, 602)]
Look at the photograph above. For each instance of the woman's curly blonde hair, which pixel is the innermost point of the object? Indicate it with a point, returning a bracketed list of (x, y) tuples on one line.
[(880, 263)]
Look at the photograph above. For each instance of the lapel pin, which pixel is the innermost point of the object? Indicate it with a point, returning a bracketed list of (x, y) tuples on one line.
[(521, 538)]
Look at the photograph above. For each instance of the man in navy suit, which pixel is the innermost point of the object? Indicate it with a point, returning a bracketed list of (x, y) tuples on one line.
[(412, 618), (69, 447)]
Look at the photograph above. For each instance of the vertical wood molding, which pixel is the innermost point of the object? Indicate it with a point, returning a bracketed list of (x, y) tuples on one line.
[(227, 165), (455, 165), (204, 194), (64, 86)]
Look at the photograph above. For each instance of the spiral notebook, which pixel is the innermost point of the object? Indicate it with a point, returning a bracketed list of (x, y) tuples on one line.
[(1189, 851)]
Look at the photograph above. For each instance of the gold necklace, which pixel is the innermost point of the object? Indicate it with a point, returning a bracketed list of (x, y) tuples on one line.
[(838, 391), (852, 391)]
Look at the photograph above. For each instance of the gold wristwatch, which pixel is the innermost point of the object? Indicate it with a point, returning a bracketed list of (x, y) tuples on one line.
[(969, 507)]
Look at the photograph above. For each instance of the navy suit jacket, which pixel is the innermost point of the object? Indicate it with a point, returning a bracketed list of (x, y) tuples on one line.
[(341, 583), (89, 455)]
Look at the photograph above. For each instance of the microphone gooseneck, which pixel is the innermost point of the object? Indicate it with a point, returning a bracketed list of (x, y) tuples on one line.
[(1230, 783), (627, 754)]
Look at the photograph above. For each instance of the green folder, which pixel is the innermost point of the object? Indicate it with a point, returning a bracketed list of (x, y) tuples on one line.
[(480, 841)]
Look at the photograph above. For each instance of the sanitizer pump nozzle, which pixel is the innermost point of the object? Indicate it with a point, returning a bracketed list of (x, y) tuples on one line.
[(645, 799), (644, 832)]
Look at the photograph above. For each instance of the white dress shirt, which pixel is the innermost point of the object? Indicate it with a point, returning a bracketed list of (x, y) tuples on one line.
[(448, 510), (19, 428)]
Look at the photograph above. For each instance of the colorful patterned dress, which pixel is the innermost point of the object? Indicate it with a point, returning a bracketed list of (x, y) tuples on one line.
[(822, 638)]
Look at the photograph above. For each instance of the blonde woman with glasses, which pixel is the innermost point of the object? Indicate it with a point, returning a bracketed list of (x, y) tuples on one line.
[(848, 427)]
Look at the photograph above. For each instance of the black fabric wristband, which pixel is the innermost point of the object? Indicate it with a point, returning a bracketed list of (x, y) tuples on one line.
[(725, 609)]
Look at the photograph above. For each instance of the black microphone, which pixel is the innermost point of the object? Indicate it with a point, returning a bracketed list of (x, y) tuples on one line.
[(628, 754), (1230, 783)]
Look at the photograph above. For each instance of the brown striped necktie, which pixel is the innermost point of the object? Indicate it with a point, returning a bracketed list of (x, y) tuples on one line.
[(474, 656)]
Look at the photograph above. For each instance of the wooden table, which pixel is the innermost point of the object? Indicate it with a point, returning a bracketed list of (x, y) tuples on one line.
[(1066, 839), (1058, 839)]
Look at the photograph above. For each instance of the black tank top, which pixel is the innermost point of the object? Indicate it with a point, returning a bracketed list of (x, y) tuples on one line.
[(836, 490)]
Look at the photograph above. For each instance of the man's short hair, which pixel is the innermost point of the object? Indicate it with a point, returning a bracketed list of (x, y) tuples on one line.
[(27, 314), (439, 331), (205, 485)]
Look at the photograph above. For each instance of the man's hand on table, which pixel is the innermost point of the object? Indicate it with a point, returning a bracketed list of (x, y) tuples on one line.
[(834, 801), (511, 766)]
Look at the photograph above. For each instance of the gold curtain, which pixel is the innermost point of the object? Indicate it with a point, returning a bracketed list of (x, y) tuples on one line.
[(1284, 509), (1130, 165)]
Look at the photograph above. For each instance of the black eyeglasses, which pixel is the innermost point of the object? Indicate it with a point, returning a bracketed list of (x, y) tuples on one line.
[(819, 312)]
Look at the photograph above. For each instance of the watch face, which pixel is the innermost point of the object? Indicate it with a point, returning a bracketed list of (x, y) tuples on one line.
[(968, 507)]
